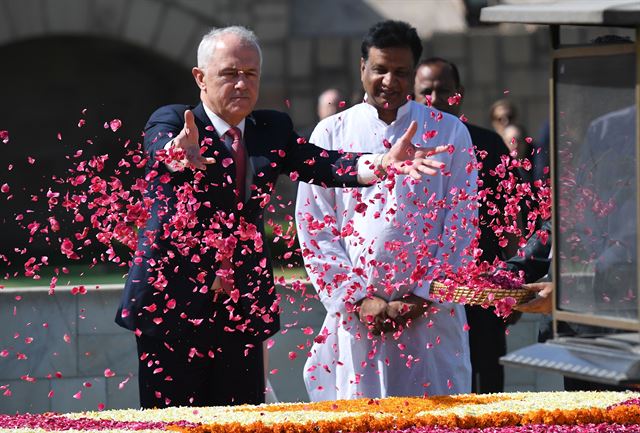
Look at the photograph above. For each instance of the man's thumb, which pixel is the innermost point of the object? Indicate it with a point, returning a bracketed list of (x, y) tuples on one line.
[(189, 121), (411, 131)]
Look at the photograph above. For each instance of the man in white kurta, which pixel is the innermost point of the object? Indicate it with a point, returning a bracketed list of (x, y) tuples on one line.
[(388, 241)]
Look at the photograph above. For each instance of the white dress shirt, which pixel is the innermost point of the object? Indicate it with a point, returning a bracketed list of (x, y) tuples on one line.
[(221, 127), (374, 238)]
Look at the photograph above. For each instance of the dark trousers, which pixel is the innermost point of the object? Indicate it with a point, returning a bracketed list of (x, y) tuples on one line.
[(230, 372), (487, 343)]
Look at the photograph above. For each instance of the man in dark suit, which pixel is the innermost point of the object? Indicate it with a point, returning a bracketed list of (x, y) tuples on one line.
[(438, 81), (200, 295)]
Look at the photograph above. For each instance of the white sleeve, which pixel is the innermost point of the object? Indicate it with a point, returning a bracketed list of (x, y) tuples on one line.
[(461, 209), (325, 257), (368, 166)]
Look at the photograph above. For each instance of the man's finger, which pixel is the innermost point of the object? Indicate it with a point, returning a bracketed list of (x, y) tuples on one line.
[(544, 291), (200, 162), (410, 132), (417, 167), (428, 170), (415, 174), (189, 121), (408, 169), (430, 151), (430, 167), (536, 287)]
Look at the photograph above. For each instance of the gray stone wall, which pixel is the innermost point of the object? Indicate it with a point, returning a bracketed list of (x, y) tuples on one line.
[(302, 54), (63, 343), (492, 64), (299, 60)]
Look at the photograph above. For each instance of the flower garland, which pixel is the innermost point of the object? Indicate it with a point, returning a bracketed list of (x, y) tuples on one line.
[(463, 411), (53, 422), (559, 412), (536, 428)]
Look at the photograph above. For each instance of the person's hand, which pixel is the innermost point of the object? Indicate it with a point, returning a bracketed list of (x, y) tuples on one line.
[(542, 303), (372, 312), (409, 159), (408, 308), (188, 141)]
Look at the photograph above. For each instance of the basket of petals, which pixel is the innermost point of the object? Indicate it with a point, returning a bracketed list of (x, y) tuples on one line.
[(487, 290)]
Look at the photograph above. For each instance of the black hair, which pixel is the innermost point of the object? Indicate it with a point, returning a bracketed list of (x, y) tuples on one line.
[(454, 69), (392, 34)]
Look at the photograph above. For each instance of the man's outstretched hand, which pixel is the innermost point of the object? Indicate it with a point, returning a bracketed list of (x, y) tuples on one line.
[(542, 303), (188, 141), (406, 158)]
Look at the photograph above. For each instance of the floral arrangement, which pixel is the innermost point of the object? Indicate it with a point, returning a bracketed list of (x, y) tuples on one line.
[(560, 412)]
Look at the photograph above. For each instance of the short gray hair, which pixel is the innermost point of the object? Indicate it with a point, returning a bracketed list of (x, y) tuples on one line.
[(208, 42)]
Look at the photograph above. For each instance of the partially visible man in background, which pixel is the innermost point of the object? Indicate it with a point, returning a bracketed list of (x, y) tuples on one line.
[(437, 83), (330, 102), (504, 120)]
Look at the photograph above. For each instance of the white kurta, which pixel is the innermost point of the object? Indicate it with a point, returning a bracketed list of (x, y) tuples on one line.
[(374, 238)]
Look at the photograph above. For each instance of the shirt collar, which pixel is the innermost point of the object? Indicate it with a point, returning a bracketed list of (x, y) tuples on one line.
[(402, 110), (220, 125)]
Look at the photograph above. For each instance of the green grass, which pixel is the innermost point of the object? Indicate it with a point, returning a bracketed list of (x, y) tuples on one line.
[(108, 273), (77, 275), (289, 273), (104, 274)]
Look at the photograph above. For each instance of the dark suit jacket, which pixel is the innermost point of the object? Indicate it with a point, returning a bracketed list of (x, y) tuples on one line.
[(535, 261), (489, 149), (168, 290), (487, 338)]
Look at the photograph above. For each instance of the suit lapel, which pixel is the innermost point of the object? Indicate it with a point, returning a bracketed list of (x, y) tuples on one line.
[(218, 177), (252, 143), (208, 135)]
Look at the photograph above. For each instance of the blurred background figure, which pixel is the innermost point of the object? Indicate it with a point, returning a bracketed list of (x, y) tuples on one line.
[(329, 103), (438, 80), (503, 114), (540, 157)]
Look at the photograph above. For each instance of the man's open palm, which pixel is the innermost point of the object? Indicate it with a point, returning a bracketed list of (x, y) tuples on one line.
[(188, 140), (406, 158)]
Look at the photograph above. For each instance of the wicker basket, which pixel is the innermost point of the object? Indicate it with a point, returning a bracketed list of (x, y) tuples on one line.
[(468, 296)]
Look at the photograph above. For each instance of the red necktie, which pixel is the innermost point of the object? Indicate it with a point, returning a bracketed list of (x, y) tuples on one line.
[(240, 160)]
